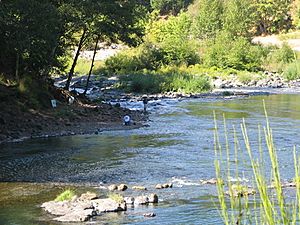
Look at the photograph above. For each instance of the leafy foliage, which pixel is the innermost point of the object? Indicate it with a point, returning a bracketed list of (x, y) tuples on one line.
[(292, 71), (172, 38), (167, 79), (169, 6), (238, 17), (26, 46), (278, 58), (65, 196), (272, 16), (208, 20), (227, 51)]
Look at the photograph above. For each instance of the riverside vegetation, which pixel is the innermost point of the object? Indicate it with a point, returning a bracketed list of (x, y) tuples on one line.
[(177, 45), (270, 204)]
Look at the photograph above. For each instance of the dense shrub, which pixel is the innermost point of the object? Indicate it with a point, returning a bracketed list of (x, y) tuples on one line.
[(146, 56), (277, 58), (226, 51), (165, 81), (169, 6), (142, 83), (208, 18), (292, 71), (172, 37)]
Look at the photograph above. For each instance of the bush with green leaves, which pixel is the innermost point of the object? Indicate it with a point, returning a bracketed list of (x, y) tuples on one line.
[(168, 80), (208, 18), (169, 6), (172, 37), (227, 51), (292, 71), (66, 195), (279, 57), (146, 56)]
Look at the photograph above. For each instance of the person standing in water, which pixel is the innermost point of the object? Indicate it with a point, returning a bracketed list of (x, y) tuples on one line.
[(145, 102)]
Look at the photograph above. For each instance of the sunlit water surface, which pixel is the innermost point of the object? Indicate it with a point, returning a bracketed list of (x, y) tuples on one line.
[(177, 146)]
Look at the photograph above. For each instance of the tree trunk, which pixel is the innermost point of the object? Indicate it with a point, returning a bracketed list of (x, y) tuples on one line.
[(92, 65), (80, 45), (17, 67)]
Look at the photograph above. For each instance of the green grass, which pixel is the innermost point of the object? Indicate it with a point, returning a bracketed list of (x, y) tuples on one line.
[(165, 81), (65, 196), (292, 70), (83, 67), (116, 197), (268, 206)]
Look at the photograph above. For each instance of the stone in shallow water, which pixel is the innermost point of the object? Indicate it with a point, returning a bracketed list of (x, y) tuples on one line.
[(141, 200), (112, 187), (122, 187), (153, 198), (129, 200), (88, 196), (159, 186), (82, 208), (210, 181), (140, 188), (76, 216), (108, 205), (166, 185), (65, 207), (149, 214), (238, 190)]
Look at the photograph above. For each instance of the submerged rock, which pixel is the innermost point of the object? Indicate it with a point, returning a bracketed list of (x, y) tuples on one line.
[(209, 181), (149, 214), (141, 200), (112, 187), (108, 205), (140, 188), (166, 185), (76, 216), (88, 196), (122, 187), (238, 190), (159, 186), (153, 198), (129, 200)]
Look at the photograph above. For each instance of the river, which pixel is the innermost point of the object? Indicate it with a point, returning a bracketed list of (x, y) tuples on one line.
[(177, 147)]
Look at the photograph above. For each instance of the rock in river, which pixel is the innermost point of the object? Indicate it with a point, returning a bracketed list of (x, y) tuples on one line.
[(108, 205), (122, 187), (82, 208), (140, 188)]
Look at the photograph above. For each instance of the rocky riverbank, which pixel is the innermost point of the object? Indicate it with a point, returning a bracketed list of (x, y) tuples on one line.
[(81, 117), (104, 112)]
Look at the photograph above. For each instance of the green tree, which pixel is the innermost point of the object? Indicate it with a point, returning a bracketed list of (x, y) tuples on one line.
[(29, 33), (272, 16), (228, 51), (209, 18), (172, 37), (238, 17), (169, 6), (296, 13), (112, 20)]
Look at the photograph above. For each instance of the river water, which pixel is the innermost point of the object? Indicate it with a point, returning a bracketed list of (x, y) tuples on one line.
[(177, 147)]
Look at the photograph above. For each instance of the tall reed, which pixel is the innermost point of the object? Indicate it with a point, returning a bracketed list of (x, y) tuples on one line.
[(269, 205)]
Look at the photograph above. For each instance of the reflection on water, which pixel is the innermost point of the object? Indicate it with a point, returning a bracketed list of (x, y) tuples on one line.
[(176, 147)]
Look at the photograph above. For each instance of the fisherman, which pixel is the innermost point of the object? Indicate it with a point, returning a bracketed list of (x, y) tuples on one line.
[(126, 120), (145, 102)]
